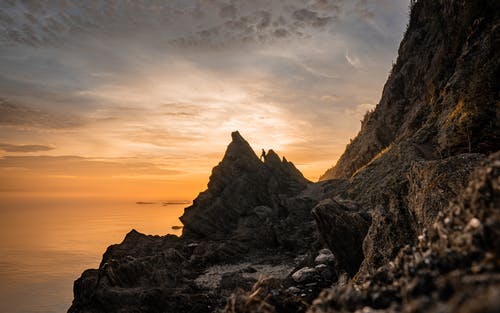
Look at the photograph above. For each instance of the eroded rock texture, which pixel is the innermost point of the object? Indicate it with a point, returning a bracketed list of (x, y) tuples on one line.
[(454, 267), (437, 118), (437, 121)]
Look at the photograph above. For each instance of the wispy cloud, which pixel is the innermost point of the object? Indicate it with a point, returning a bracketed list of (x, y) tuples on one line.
[(22, 116), (353, 60), (75, 166), (165, 82), (24, 148)]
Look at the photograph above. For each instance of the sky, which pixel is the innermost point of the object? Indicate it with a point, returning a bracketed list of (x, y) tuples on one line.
[(138, 98)]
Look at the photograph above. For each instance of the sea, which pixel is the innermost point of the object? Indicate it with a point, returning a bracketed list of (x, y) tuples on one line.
[(47, 242)]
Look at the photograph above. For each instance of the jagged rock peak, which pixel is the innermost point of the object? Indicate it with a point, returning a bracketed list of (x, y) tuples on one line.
[(236, 136), (239, 148), (238, 184), (272, 158)]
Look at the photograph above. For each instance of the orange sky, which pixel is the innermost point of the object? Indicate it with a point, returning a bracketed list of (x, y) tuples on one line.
[(130, 100), (133, 178)]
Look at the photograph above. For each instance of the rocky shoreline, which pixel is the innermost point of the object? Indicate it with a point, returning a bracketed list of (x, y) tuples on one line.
[(407, 220)]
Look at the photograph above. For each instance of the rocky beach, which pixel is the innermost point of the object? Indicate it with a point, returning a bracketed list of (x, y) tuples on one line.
[(406, 221)]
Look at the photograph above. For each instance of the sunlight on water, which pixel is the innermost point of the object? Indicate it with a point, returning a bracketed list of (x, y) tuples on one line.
[(45, 244)]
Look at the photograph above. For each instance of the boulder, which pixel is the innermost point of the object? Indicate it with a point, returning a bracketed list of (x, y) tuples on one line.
[(343, 230), (325, 256), (305, 275)]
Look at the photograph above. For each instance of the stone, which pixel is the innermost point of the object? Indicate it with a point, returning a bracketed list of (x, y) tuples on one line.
[(343, 230), (304, 275)]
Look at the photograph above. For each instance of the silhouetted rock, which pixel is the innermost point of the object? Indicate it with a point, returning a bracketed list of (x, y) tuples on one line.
[(436, 121), (137, 276), (252, 211), (243, 194)]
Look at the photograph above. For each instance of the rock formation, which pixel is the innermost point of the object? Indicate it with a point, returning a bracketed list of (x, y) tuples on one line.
[(453, 267), (343, 229), (436, 122), (254, 219), (438, 104), (442, 93), (245, 196), (406, 221)]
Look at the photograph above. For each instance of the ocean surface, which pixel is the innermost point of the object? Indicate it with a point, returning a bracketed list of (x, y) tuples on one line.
[(46, 243)]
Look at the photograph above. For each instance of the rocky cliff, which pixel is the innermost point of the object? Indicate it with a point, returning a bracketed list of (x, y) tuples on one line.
[(441, 97), (406, 221), (437, 118)]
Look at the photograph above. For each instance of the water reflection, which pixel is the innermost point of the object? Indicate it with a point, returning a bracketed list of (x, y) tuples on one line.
[(46, 243)]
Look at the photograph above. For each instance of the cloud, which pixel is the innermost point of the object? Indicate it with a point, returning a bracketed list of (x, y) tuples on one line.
[(311, 18), (363, 10), (25, 117), (85, 167), (353, 60), (199, 22), (171, 79), (24, 148)]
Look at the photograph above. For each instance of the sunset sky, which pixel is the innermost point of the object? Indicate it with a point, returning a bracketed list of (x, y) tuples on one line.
[(138, 99)]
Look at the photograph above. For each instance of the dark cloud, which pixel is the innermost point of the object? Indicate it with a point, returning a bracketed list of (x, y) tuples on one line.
[(311, 18), (24, 148), (361, 8), (280, 33), (22, 116), (48, 22), (228, 11)]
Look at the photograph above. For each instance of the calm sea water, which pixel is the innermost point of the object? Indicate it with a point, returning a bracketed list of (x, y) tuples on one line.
[(45, 244)]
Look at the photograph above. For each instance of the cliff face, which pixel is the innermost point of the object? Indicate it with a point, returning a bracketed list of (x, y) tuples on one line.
[(438, 117), (452, 267), (436, 121), (442, 94)]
